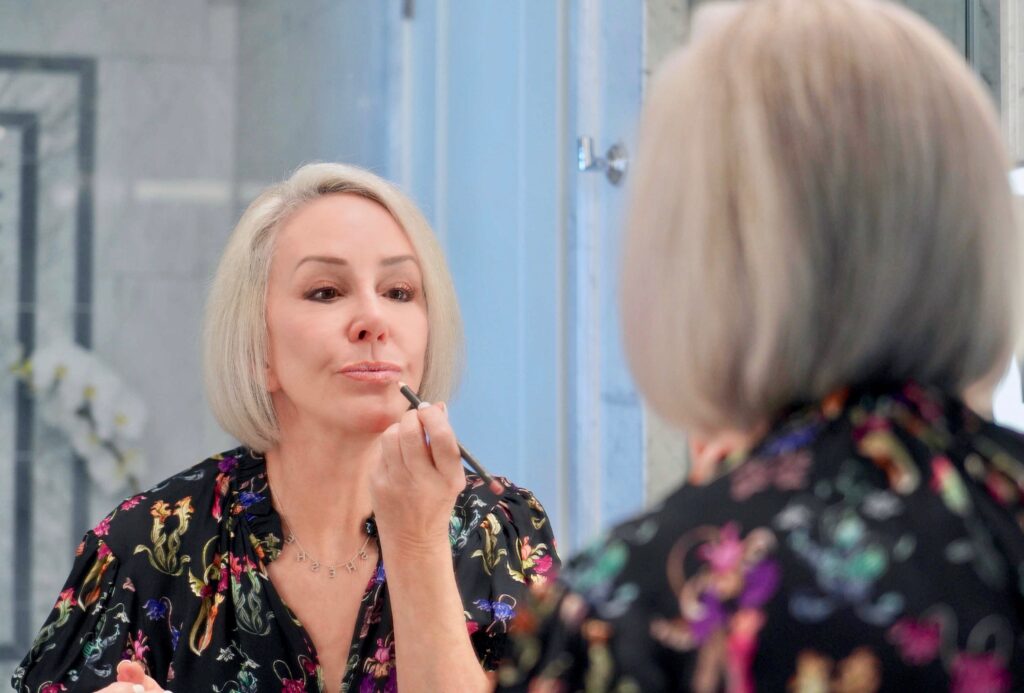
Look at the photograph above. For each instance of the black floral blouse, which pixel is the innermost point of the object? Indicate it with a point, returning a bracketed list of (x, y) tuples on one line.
[(871, 542), (176, 579)]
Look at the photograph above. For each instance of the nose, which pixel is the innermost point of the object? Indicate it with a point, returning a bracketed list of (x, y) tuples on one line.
[(368, 325)]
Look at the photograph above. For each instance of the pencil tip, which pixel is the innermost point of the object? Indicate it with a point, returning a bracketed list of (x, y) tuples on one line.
[(401, 385)]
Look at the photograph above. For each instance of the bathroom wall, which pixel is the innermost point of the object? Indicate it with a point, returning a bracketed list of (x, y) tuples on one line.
[(137, 132)]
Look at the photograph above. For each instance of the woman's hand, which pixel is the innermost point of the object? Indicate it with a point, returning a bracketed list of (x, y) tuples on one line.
[(131, 678), (413, 492), (415, 487)]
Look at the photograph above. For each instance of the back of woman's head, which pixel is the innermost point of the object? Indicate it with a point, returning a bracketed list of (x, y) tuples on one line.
[(820, 199)]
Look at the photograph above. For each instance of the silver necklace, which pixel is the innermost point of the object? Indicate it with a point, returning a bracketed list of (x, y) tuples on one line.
[(332, 568), (369, 526)]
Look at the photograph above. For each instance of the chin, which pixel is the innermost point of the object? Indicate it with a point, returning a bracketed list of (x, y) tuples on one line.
[(374, 419)]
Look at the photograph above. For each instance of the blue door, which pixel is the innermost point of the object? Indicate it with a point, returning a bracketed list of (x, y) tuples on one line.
[(492, 97)]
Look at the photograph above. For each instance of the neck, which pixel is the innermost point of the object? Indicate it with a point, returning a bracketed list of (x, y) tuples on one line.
[(320, 486)]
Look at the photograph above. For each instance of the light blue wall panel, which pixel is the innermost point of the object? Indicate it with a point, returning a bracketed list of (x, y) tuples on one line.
[(484, 128)]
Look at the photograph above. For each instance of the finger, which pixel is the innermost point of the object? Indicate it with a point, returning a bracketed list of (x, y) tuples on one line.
[(444, 448), (130, 672), (415, 452), (391, 456)]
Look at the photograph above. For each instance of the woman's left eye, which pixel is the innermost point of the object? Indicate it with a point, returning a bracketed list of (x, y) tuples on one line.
[(400, 293), (323, 294)]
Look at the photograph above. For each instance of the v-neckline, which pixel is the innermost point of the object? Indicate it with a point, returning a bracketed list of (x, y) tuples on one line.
[(273, 531)]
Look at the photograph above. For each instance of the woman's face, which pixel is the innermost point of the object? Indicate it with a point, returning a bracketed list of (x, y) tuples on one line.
[(346, 316)]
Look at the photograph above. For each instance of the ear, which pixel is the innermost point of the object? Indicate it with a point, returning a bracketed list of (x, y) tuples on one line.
[(273, 384), (270, 375), (705, 455)]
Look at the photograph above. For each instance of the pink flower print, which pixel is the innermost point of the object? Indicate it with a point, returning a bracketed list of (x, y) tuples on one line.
[(53, 688), (103, 552), (132, 502), (543, 565), (380, 666), (978, 673), (103, 528), (292, 686), (472, 627), (383, 653), (724, 555), (67, 597), (917, 641), (137, 647), (236, 566), (222, 586)]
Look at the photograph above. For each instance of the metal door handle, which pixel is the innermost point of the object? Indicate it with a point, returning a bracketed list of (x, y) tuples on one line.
[(614, 163)]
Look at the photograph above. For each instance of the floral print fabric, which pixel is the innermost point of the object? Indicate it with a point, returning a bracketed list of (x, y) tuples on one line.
[(874, 541), (176, 579)]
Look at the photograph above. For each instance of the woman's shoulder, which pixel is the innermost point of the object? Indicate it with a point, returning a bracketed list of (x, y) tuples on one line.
[(511, 526), (184, 505), (514, 504)]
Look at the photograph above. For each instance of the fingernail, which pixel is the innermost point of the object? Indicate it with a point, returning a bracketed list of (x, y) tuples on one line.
[(137, 688), (444, 407), (423, 405)]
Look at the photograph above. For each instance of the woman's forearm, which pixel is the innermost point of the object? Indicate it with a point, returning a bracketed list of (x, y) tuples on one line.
[(433, 651)]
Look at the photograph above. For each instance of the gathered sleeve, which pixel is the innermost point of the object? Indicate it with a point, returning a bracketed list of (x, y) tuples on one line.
[(575, 633), (503, 545), (548, 650), (88, 631)]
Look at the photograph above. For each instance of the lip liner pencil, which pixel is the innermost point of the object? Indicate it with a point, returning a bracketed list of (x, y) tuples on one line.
[(495, 486)]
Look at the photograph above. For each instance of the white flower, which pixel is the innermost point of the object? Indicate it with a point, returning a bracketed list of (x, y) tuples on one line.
[(103, 420)]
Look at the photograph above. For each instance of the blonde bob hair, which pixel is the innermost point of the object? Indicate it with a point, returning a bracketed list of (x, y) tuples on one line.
[(820, 199), (235, 329)]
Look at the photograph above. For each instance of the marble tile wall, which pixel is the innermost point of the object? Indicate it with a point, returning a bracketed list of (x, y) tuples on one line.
[(199, 103), (165, 124), (312, 86), (1012, 76)]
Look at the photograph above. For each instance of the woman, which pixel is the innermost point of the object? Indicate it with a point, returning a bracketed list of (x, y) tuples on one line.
[(820, 257), (337, 548)]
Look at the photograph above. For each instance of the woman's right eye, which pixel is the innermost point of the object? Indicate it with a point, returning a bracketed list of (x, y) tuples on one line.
[(323, 293)]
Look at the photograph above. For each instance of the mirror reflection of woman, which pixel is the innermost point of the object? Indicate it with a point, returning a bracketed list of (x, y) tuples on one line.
[(341, 547)]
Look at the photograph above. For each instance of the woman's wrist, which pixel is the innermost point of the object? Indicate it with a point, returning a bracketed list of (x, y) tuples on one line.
[(407, 547)]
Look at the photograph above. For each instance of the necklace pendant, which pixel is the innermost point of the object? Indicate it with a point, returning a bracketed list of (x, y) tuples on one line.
[(290, 539), (315, 565), (350, 567), (332, 572), (362, 554), (301, 556)]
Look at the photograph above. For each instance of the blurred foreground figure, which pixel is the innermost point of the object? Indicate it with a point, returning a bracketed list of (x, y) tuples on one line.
[(821, 263)]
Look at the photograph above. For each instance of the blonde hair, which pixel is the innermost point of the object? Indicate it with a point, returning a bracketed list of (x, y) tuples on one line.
[(820, 199), (235, 331)]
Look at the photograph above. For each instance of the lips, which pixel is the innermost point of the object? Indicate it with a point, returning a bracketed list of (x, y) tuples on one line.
[(372, 371)]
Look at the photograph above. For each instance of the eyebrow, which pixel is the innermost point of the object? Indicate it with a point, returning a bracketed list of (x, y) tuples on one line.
[(331, 260)]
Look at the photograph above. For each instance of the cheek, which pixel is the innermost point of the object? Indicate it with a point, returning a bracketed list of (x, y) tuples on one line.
[(423, 337), (293, 335)]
